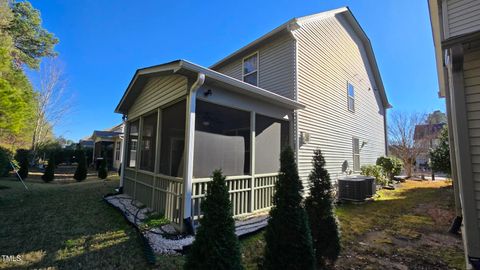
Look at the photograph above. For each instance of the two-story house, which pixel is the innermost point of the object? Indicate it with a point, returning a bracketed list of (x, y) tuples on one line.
[(311, 83), (456, 34)]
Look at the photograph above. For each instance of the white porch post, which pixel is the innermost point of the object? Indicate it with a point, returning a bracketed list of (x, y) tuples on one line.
[(123, 151), (252, 161), (189, 147)]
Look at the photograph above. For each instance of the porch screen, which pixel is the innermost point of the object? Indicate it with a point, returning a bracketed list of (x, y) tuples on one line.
[(172, 140), (222, 140), (271, 135), (148, 143), (132, 144)]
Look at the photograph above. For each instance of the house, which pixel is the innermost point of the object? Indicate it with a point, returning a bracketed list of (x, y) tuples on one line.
[(456, 35), (311, 83), (426, 136), (106, 144)]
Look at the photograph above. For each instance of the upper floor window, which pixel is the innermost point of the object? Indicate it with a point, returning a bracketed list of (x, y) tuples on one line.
[(351, 97), (250, 69)]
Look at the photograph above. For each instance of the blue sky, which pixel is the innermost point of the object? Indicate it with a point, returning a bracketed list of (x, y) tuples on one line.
[(102, 43)]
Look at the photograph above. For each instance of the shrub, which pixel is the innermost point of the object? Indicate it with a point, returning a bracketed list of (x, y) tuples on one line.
[(375, 171), (288, 237), (81, 171), (323, 224), (216, 245), (49, 173), (102, 169), (440, 156), (5, 156), (391, 166), (22, 157)]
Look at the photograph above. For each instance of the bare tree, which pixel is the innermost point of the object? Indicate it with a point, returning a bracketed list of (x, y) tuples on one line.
[(402, 143), (53, 103)]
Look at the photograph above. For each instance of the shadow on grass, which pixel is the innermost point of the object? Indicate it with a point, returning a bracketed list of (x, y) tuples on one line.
[(404, 213), (65, 226)]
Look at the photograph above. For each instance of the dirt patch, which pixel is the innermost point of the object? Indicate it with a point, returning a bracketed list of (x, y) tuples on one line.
[(404, 228)]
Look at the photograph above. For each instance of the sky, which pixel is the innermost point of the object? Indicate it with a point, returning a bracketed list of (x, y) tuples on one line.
[(103, 42)]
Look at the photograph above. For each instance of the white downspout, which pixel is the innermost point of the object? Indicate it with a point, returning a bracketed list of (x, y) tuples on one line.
[(189, 146), (123, 151)]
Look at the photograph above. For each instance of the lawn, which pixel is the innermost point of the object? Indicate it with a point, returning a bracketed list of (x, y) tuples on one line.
[(68, 226), (65, 226)]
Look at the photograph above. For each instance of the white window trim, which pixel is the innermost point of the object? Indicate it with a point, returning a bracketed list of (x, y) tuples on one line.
[(257, 67), (350, 97)]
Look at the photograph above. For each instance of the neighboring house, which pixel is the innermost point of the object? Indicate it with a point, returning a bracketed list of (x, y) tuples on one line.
[(108, 144), (312, 83), (426, 137), (86, 142), (456, 34)]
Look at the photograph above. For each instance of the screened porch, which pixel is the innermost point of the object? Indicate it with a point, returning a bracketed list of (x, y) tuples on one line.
[(244, 144)]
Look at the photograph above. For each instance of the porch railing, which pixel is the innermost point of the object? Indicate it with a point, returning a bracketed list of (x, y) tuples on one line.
[(159, 192), (248, 194)]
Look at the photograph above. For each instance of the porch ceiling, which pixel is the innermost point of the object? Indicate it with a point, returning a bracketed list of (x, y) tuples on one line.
[(191, 70)]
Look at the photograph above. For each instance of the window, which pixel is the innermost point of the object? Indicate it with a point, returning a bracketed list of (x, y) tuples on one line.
[(271, 135), (250, 69), (351, 98), (356, 154), (148, 143), (222, 140), (117, 150), (132, 144), (173, 140)]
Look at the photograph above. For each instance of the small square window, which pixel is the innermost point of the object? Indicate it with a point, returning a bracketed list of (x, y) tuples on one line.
[(351, 97), (250, 69)]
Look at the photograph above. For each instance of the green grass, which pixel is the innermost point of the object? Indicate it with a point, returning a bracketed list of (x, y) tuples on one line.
[(65, 227), (70, 227), (393, 227)]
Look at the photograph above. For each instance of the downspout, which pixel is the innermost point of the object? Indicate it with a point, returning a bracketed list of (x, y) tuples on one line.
[(123, 153), (292, 27), (189, 146)]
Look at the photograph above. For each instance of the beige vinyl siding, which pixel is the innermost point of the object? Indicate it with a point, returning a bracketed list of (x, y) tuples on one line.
[(463, 16), (471, 75), (158, 91), (276, 66), (330, 55)]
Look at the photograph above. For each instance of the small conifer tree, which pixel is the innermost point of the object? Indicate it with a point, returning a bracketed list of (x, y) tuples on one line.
[(81, 171), (102, 170), (22, 159), (49, 173), (216, 245), (288, 238), (440, 156), (325, 236)]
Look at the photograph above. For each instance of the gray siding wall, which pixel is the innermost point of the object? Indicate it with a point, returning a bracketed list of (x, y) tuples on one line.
[(330, 55), (158, 91), (472, 96), (462, 17), (276, 66)]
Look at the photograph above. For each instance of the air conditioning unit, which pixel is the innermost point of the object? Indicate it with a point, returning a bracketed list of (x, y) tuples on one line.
[(356, 188)]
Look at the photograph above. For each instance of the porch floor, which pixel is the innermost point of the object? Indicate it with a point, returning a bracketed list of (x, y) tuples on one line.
[(165, 239)]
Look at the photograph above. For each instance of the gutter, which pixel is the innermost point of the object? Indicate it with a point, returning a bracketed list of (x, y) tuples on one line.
[(189, 145)]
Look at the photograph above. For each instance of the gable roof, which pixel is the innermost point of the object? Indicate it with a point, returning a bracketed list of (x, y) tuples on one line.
[(296, 23), (191, 70)]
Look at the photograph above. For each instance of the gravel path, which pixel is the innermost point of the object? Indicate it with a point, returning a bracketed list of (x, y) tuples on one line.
[(166, 240)]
